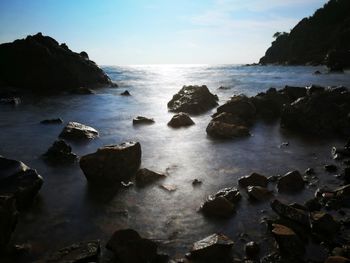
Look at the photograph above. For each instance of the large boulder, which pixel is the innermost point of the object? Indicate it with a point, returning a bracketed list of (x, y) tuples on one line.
[(112, 163), (221, 130), (289, 212), (239, 106), (60, 153), (180, 119), (8, 219), (19, 181), (253, 179), (39, 63), (78, 131), (142, 120), (193, 100), (290, 182)]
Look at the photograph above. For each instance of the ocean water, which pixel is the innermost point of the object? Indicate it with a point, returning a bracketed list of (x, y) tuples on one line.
[(69, 210)]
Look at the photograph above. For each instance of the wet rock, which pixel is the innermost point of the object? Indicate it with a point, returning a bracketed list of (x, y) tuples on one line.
[(290, 182), (193, 100), (125, 93), (221, 130), (52, 121), (314, 89), (288, 242), (129, 247), (324, 224), (142, 120), (291, 213), (180, 120), (342, 195), (317, 72), (60, 153), (196, 182), (144, 177), (313, 204), (78, 131), (230, 118), (10, 101), (239, 106), (330, 168), (8, 219), (259, 193), (254, 179), (112, 163), (309, 171), (221, 204), (19, 181), (213, 248), (252, 249), (340, 153), (82, 252), (169, 187), (83, 91), (337, 259)]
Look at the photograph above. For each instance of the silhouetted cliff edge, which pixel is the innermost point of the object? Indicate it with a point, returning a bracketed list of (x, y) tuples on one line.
[(323, 38), (40, 63)]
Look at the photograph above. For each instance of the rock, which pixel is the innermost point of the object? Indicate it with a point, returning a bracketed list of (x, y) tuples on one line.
[(39, 63), (317, 72), (337, 60), (339, 153), (252, 249), (125, 93), (314, 89), (324, 224), (83, 91), (180, 120), (330, 168), (259, 193), (291, 213), (145, 176), (196, 182), (19, 181), (288, 242), (84, 55), (254, 179), (290, 182), (10, 101), (193, 100), (221, 204), (52, 121), (313, 204), (213, 248), (169, 187), (60, 153), (82, 252), (342, 195), (112, 163), (142, 120), (309, 171), (129, 247), (240, 106), (8, 219), (221, 130), (337, 259), (230, 118), (78, 131)]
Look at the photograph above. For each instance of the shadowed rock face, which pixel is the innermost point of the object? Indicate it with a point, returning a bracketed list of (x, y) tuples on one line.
[(8, 219), (40, 63)]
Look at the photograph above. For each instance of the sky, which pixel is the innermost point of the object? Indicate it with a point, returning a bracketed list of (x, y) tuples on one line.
[(131, 32)]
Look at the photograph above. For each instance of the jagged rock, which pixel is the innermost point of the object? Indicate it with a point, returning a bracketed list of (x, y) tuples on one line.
[(39, 63), (221, 204), (18, 180), (78, 131), (223, 130), (324, 224), (52, 121), (82, 252), (253, 179), (339, 153), (290, 182), (252, 249), (309, 171), (291, 213), (259, 193), (112, 163), (142, 120), (125, 93), (145, 176), (8, 219), (337, 259), (60, 153), (330, 168), (193, 100), (239, 106), (83, 91), (196, 182), (213, 248), (128, 247), (180, 119)]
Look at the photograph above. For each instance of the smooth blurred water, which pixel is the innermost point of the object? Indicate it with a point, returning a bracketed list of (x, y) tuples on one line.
[(68, 210)]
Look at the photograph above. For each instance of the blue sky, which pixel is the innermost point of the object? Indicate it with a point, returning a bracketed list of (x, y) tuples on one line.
[(117, 32)]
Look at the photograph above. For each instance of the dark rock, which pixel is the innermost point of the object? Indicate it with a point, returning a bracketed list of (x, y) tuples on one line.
[(213, 248), (83, 91), (78, 131), (337, 259), (125, 93), (8, 219), (346, 175), (291, 213), (252, 249), (193, 100), (82, 252), (330, 168), (314, 89), (313, 204), (324, 224), (129, 247), (112, 163), (18, 180), (221, 204), (339, 153), (239, 106), (230, 118), (290, 182), (338, 60), (317, 72), (142, 120), (254, 179), (221, 130), (309, 171), (60, 153), (180, 120), (52, 121), (196, 182), (39, 63), (10, 101), (144, 177), (84, 55), (259, 193)]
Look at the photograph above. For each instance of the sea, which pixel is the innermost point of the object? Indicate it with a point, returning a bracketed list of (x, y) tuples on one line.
[(69, 210)]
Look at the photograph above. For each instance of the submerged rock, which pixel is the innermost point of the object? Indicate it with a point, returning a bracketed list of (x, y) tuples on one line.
[(180, 119), (142, 120), (112, 163), (253, 179), (60, 153), (145, 176), (128, 247), (213, 248), (8, 219), (125, 93), (223, 130), (193, 100), (324, 224), (52, 121), (287, 211), (290, 182), (78, 131), (82, 252)]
